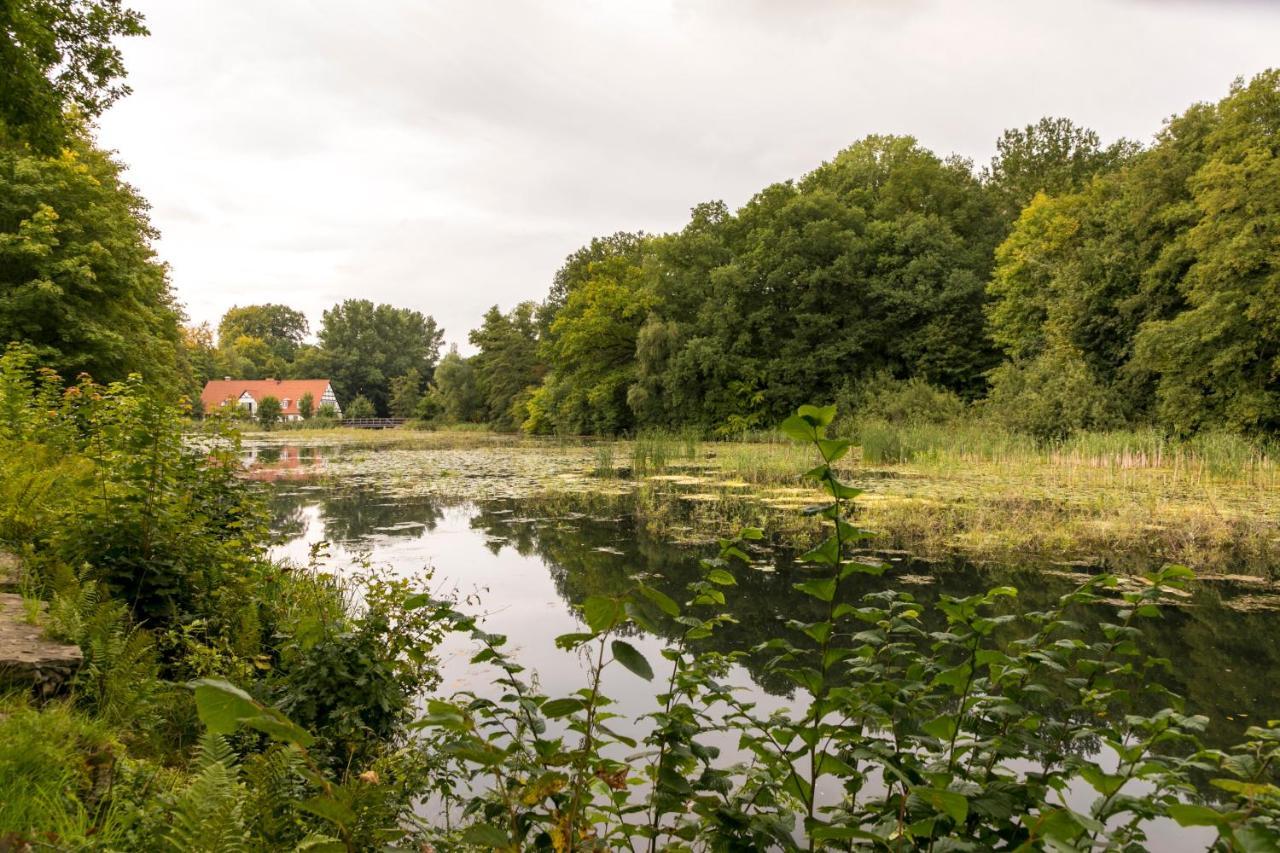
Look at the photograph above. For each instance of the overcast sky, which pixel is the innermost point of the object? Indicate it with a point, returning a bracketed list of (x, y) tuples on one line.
[(446, 156)]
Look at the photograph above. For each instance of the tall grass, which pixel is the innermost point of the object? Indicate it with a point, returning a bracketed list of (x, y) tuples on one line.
[(653, 450), (604, 453), (1215, 455)]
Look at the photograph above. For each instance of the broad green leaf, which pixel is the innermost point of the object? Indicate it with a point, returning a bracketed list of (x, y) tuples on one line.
[(1105, 784), (418, 600), (817, 415), (834, 448), (721, 577), (663, 601), (943, 728), (554, 708), (638, 616), (572, 640), (276, 726), (860, 568), (825, 554), (951, 803), (477, 752), (823, 589), (1248, 789), (1254, 839), (956, 676), (1190, 814), (329, 809), (630, 657), (837, 489), (221, 705), (798, 428), (484, 835), (601, 613)]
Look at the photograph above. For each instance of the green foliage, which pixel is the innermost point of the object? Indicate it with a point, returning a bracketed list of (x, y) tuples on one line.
[(355, 681), (152, 552), (590, 348), (1157, 274), (1145, 275), (307, 405), (1218, 360), (55, 778), (367, 345), (60, 63), (119, 678), (360, 407), (1054, 156), (912, 401), (207, 814), (507, 365), (1051, 396), (456, 395), (79, 280), (917, 721), (406, 392), (279, 327), (268, 411)]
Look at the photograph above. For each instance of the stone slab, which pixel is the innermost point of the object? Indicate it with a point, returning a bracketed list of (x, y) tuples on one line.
[(27, 657)]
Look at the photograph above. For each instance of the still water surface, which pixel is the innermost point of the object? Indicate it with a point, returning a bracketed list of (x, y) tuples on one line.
[(525, 572)]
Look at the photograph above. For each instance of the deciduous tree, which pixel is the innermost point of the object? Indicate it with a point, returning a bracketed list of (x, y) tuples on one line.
[(367, 345)]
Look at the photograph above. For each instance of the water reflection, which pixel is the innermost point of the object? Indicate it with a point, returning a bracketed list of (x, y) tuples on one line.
[(528, 565), (1221, 659), (274, 462), (524, 565)]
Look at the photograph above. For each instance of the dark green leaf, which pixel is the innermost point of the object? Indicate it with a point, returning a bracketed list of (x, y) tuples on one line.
[(630, 657)]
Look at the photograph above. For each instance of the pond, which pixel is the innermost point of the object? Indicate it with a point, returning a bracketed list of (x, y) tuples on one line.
[(524, 564)]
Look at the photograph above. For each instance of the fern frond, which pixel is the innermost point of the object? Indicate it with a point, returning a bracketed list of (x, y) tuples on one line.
[(208, 815)]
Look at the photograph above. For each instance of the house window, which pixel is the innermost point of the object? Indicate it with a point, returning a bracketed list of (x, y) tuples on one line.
[(284, 404)]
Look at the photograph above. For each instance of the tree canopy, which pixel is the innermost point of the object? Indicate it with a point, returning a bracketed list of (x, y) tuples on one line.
[(79, 279), (280, 327), (1071, 283), (60, 64), (366, 346), (1162, 275)]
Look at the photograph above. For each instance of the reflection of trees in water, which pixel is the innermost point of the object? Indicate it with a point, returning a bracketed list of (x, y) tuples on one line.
[(356, 513), (287, 518), (1221, 660)]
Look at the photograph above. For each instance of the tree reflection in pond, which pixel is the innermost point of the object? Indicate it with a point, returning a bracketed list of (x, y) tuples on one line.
[(1221, 659)]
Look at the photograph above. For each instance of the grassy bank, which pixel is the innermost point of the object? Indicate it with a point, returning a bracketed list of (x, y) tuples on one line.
[(1123, 500), (1126, 500)]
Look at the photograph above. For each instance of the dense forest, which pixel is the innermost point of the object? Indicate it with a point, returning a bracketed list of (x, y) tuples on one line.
[(1068, 284)]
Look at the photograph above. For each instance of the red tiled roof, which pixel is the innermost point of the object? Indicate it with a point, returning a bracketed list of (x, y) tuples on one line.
[(223, 391)]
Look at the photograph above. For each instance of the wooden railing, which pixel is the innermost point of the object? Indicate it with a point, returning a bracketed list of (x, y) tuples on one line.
[(372, 423)]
